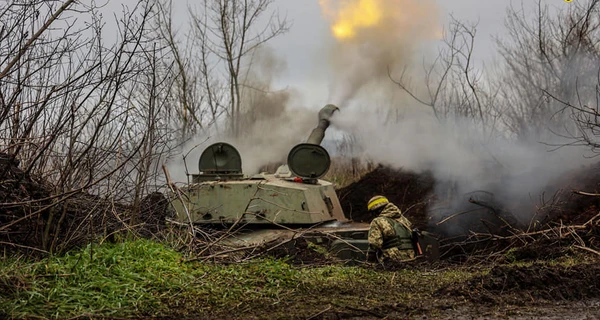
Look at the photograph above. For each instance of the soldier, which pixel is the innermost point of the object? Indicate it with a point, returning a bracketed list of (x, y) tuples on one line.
[(390, 234)]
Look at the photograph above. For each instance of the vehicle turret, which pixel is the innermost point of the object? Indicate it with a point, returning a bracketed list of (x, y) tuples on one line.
[(294, 195)]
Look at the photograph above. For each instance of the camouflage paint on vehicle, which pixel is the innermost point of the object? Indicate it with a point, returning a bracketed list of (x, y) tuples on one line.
[(263, 199)]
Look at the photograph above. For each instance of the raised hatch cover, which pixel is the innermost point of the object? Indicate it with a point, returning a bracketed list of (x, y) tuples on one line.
[(309, 161), (220, 157)]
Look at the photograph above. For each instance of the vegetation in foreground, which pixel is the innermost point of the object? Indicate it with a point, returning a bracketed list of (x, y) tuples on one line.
[(144, 278)]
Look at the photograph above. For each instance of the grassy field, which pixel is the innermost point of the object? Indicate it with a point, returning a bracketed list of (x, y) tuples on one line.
[(144, 278)]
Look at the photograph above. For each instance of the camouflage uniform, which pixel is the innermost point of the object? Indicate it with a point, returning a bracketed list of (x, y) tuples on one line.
[(382, 235)]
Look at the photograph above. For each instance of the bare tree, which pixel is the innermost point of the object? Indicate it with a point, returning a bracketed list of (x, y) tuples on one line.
[(80, 112), (548, 53), (228, 33), (191, 97), (453, 86), (213, 59)]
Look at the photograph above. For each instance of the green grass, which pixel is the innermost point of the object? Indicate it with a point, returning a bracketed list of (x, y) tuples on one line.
[(144, 278), (114, 278)]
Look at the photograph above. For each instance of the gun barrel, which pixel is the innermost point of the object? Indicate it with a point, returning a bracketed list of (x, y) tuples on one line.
[(318, 133)]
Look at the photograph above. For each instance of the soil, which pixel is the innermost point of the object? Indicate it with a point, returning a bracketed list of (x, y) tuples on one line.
[(572, 208), (521, 285), (521, 280), (410, 191), (20, 194), (536, 291), (37, 218), (456, 310)]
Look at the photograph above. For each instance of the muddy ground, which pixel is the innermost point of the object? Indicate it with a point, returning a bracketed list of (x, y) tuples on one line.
[(457, 310), (534, 291)]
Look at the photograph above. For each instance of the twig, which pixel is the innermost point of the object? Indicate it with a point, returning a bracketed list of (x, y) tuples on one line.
[(314, 316), (127, 227), (25, 247), (592, 219), (586, 193), (33, 38), (456, 215), (414, 205), (495, 211), (66, 195), (587, 249), (187, 173)]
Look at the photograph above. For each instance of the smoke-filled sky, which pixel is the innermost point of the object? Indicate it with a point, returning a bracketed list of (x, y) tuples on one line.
[(340, 51), (310, 36), (302, 48)]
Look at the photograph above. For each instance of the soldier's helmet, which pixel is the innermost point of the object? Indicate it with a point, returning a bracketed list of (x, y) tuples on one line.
[(377, 202)]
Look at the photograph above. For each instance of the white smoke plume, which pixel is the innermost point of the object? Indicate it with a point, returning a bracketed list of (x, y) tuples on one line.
[(271, 122), (467, 163), (266, 141), (374, 37), (510, 174)]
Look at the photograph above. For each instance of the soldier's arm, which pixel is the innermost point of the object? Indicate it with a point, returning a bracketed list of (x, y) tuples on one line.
[(375, 235)]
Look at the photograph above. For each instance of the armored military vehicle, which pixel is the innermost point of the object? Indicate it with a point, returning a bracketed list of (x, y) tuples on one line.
[(275, 206)]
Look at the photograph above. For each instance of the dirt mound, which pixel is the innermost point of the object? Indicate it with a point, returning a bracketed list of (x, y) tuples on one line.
[(571, 208), (542, 249), (154, 209), (22, 197), (17, 185), (486, 227), (518, 284), (34, 217), (59, 224), (410, 191)]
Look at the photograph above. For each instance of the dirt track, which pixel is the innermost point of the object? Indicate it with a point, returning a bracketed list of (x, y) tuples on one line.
[(589, 309), (464, 311), (541, 290)]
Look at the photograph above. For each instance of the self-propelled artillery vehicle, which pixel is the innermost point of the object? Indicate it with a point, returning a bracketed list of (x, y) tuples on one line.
[(273, 206)]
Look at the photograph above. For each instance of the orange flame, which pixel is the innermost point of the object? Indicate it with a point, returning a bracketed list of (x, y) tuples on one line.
[(375, 37), (352, 15)]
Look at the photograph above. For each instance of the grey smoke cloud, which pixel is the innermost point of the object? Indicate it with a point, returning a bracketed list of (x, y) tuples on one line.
[(271, 121), (465, 160), (456, 151)]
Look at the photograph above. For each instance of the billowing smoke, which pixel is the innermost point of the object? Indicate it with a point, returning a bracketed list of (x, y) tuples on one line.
[(507, 175), (374, 37), (469, 164), (375, 33), (270, 122)]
